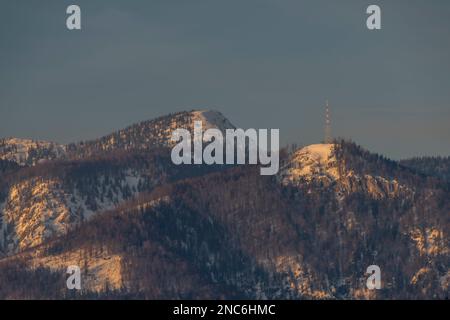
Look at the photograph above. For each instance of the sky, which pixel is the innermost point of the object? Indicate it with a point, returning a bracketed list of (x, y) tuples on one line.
[(262, 63)]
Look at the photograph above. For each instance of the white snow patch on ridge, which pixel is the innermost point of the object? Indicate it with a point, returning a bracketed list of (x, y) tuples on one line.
[(212, 119), (20, 150), (314, 161)]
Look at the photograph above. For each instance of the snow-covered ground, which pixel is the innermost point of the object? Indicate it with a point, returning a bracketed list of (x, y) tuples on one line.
[(312, 162), (212, 119), (318, 162), (38, 208), (27, 151)]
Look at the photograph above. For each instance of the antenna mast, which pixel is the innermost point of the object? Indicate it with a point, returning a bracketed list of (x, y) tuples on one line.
[(328, 138)]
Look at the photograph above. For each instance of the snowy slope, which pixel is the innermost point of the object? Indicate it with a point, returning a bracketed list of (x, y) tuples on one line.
[(29, 152), (212, 119), (318, 163), (43, 206)]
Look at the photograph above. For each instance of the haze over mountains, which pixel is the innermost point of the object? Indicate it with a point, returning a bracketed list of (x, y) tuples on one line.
[(141, 227)]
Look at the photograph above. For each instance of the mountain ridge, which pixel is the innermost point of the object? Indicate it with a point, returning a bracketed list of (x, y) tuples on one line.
[(129, 217), (153, 133)]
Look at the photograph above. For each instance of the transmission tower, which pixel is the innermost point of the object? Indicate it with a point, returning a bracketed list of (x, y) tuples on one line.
[(328, 138)]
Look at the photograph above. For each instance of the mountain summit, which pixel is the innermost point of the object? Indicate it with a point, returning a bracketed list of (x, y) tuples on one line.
[(316, 161), (145, 135)]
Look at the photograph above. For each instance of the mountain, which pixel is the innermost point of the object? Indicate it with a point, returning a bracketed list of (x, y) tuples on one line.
[(140, 227), (314, 161), (346, 171), (145, 135), (149, 134), (50, 197)]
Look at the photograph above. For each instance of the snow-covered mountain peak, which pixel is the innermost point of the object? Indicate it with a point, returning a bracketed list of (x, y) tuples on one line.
[(212, 119), (145, 135), (344, 173), (313, 161)]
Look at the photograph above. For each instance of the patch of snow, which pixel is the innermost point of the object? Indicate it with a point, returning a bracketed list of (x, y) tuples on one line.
[(19, 150), (212, 119), (314, 161)]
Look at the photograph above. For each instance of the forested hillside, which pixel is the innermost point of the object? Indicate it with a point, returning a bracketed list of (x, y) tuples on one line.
[(139, 226)]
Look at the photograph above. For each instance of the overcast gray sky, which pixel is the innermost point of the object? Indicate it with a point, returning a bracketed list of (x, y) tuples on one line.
[(262, 63)]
